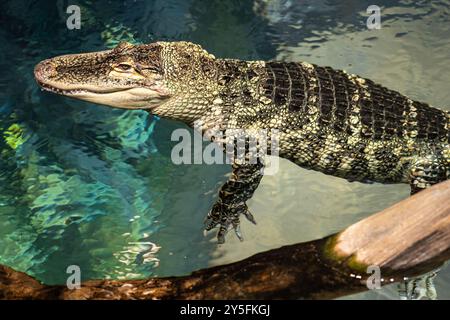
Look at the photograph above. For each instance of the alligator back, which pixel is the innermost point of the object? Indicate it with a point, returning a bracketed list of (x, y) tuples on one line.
[(350, 104), (351, 127)]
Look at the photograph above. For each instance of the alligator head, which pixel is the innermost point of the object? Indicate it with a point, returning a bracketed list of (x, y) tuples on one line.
[(163, 77)]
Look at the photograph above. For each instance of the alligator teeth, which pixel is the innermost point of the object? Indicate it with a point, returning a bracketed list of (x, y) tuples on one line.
[(61, 91)]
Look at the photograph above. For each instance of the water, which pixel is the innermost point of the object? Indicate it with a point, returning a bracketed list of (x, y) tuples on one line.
[(92, 186)]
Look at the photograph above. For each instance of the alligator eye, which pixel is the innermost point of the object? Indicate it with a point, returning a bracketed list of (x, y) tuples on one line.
[(123, 67), (154, 69)]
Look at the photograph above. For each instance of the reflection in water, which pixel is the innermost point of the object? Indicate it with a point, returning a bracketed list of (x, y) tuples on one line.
[(92, 186)]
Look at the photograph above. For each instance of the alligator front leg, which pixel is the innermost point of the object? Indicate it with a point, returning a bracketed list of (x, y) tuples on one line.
[(233, 195)]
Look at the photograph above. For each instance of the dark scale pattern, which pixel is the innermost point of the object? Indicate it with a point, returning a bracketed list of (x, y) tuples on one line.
[(388, 109), (383, 113), (387, 163), (343, 90), (430, 122), (392, 113), (327, 96), (298, 87), (346, 90), (281, 83), (269, 84), (286, 84)]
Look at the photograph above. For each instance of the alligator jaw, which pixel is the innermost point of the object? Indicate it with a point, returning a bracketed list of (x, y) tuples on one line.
[(128, 97), (70, 92)]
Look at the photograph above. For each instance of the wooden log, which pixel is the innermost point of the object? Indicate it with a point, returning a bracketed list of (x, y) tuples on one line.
[(407, 239), (410, 236)]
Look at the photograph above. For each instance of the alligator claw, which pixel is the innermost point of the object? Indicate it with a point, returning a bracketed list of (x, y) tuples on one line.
[(237, 231), (223, 230), (226, 216), (250, 217), (210, 223)]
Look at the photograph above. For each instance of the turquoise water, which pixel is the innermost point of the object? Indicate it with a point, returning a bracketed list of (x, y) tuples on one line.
[(93, 186)]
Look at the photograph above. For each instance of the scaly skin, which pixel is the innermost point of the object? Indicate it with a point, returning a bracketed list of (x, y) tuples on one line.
[(328, 120)]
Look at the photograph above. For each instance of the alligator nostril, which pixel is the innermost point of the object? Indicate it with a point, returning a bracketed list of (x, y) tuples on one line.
[(44, 70)]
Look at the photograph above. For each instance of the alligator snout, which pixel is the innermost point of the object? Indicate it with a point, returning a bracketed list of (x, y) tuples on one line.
[(43, 70)]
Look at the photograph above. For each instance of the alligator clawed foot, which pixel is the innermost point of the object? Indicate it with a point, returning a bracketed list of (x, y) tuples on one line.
[(419, 288), (226, 216)]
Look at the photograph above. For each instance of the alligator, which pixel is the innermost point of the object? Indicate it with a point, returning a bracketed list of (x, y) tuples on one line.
[(326, 120)]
